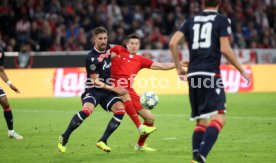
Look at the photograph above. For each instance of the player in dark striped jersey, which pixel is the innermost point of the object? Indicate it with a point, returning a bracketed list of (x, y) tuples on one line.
[(207, 35), (97, 91), (4, 101)]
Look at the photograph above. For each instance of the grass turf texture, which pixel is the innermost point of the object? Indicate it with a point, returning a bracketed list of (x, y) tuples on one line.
[(249, 134)]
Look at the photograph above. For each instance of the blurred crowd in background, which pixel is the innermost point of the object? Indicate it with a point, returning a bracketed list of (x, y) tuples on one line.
[(67, 25)]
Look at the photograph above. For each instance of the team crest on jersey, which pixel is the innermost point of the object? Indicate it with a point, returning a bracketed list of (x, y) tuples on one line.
[(92, 67)]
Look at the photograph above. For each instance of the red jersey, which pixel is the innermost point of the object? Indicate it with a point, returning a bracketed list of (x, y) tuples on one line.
[(124, 65)]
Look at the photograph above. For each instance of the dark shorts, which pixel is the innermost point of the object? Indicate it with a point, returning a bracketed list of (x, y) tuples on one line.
[(99, 96), (207, 97), (2, 93)]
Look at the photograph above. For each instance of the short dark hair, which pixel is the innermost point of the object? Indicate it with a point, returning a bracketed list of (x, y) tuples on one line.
[(211, 3), (133, 36), (99, 30)]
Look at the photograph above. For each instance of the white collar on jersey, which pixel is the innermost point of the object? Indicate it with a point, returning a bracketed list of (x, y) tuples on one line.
[(131, 55), (98, 50), (210, 10)]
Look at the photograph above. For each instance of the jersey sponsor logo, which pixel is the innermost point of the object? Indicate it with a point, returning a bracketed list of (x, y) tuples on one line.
[(233, 81), (106, 65), (68, 82), (103, 56)]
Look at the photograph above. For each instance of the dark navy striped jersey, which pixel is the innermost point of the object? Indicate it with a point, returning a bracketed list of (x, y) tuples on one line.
[(203, 32), (99, 63)]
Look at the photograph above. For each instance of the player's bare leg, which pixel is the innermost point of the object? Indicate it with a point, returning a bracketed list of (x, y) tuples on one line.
[(210, 136), (149, 121), (132, 113), (9, 118), (76, 121), (119, 111)]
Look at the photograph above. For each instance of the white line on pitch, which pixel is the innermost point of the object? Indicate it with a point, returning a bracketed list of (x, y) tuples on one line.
[(156, 115), (170, 138)]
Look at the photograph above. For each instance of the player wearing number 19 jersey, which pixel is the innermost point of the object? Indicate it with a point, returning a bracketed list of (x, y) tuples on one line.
[(207, 35)]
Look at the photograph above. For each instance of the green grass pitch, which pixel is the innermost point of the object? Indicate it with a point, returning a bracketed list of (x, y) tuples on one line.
[(248, 136)]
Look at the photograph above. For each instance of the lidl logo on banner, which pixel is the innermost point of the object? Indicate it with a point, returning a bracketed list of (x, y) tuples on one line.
[(69, 82)]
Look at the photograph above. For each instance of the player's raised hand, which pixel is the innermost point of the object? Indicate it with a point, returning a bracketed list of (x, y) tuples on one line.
[(14, 88), (120, 91), (246, 77)]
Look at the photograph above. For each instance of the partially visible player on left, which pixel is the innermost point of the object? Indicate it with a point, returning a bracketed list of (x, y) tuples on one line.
[(4, 101)]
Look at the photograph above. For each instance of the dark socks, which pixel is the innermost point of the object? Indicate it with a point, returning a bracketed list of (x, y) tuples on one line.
[(112, 126), (197, 138), (8, 118), (209, 139), (75, 123)]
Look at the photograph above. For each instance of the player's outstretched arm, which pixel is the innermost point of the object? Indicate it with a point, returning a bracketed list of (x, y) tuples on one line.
[(99, 84), (166, 66), (173, 47), (162, 66), (228, 53), (4, 77)]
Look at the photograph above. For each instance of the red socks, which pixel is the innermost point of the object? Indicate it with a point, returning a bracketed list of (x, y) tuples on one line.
[(131, 111), (142, 139)]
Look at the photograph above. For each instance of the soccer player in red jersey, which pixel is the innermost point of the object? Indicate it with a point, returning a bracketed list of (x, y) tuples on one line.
[(125, 65)]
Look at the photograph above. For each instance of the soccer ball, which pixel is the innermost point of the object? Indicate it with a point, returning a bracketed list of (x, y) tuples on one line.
[(149, 100)]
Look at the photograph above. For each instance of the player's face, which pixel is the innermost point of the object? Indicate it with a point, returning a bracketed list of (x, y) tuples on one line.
[(133, 45), (101, 41)]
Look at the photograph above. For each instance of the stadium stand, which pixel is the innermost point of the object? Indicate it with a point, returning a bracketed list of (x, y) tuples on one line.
[(66, 25)]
